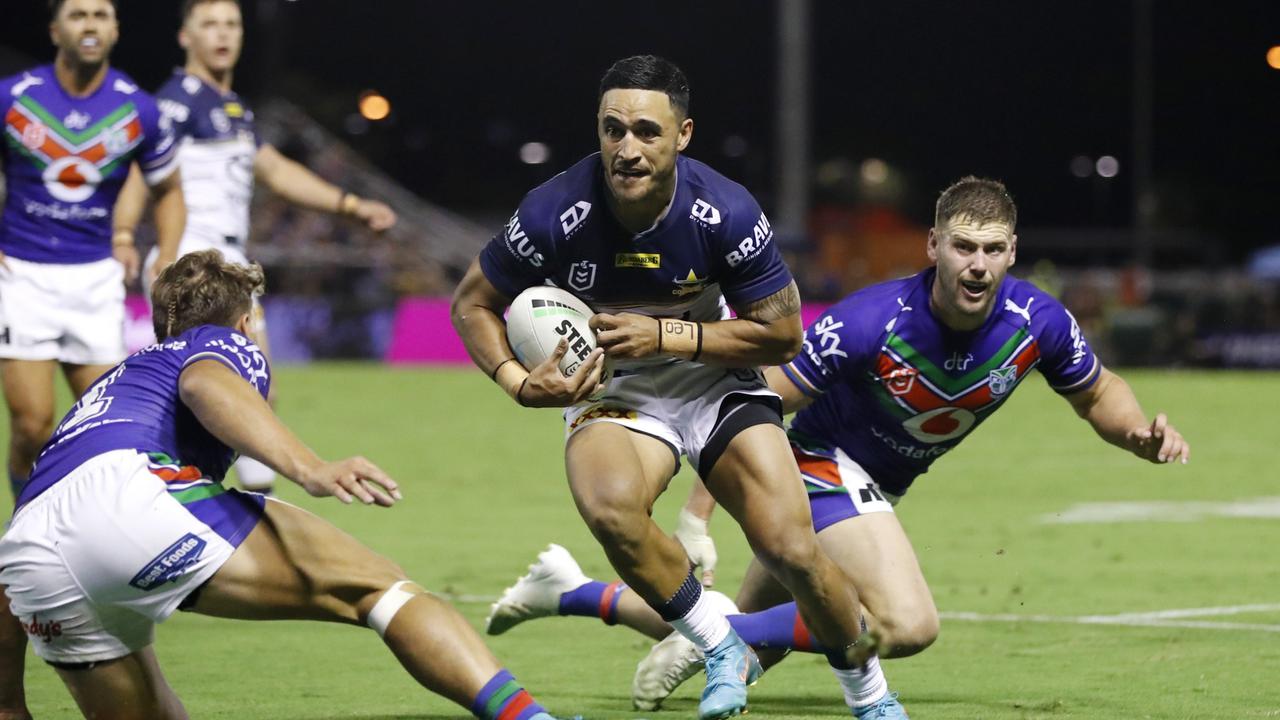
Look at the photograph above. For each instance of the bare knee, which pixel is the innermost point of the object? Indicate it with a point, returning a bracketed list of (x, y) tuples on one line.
[(30, 430), (789, 555), (908, 631)]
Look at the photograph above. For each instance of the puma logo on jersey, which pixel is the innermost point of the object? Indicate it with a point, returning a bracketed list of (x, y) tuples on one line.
[(27, 81), (1025, 312)]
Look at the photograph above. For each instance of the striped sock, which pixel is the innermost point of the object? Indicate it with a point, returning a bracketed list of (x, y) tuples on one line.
[(502, 698), (595, 599), (777, 627)]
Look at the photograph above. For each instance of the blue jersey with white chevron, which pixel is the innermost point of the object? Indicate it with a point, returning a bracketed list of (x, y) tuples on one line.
[(66, 158), (713, 244), (136, 406), (895, 389)]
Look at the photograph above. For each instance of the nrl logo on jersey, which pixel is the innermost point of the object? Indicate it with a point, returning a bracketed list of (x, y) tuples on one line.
[(1000, 381), (572, 218), (582, 275), (901, 380), (705, 213), (690, 284)]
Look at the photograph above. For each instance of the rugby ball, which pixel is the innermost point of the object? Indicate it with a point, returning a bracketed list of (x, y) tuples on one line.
[(542, 316)]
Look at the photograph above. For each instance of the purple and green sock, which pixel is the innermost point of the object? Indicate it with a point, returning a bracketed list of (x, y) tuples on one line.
[(502, 698)]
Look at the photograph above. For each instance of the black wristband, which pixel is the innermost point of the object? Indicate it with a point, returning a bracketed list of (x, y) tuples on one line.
[(659, 334), (698, 350), (519, 390), (494, 375)]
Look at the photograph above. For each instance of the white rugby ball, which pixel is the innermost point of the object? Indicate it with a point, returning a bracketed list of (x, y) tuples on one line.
[(542, 316)]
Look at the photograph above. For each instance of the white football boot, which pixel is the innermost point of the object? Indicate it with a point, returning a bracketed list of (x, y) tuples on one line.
[(537, 593), (672, 661)]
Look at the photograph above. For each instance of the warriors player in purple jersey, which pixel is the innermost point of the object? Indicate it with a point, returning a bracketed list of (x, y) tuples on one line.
[(125, 520), (889, 380), (657, 244), (221, 155), (72, 130)]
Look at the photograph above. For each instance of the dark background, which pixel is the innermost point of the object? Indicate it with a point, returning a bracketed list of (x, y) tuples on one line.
[(1007, 89)]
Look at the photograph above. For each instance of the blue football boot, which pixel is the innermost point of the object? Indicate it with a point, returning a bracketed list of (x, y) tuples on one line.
[(731, 667), (886, 708)]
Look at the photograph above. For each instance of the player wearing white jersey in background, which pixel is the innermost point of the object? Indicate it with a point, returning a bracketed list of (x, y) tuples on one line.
[(220, 155)]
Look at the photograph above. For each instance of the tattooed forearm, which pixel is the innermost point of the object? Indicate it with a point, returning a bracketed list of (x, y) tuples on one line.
[(784, 303)]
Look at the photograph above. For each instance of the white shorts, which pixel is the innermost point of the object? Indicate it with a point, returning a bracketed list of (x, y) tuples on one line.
[(678, 402), (70, 313), (96, 560)]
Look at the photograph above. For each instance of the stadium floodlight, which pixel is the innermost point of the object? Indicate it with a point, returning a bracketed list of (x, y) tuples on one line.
[(1273, 57), (374, 106)]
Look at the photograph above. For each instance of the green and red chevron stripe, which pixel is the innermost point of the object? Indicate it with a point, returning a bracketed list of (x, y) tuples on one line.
[(913, 384), (26, 121)]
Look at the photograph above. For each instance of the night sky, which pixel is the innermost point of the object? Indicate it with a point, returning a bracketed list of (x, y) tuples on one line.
[(1007, 89)]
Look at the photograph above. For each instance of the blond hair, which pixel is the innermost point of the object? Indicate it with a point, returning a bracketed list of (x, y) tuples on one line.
[(202, 289)]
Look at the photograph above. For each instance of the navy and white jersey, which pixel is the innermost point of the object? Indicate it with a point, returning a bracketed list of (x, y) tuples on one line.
[(135, 406), (216, 151), (713, 244), (895, 389)]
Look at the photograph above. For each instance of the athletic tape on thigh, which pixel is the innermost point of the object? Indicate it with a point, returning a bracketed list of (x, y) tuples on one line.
[(387, 607)]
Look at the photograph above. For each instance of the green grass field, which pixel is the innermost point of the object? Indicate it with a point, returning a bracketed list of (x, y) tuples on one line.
[(484, 492)]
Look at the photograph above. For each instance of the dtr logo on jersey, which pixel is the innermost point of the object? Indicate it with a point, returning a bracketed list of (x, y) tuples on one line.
[(1001, 380), (520, 245), (939, 425), (71, 179), (704, 212), (76, 120), (582, 275), (751, 245), (570, 219)]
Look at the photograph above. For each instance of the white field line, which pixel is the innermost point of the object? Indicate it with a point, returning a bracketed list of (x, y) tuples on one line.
[(1158, 618)]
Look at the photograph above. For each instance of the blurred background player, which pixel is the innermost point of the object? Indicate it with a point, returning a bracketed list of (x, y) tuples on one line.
[(72, 130), (220, 154), (125, 520), (890, 379), (654, 241)]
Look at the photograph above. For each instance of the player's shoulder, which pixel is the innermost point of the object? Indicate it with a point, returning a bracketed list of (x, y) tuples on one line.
[(180, 87), (563, 202), (1026, 304), (717, 200), (19, 83), (119, 82)]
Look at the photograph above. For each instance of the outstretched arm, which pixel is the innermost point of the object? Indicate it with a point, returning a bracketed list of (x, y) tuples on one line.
[(234, 412), (766, 332), (124, 221), (1110, 406), (295, 183)]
